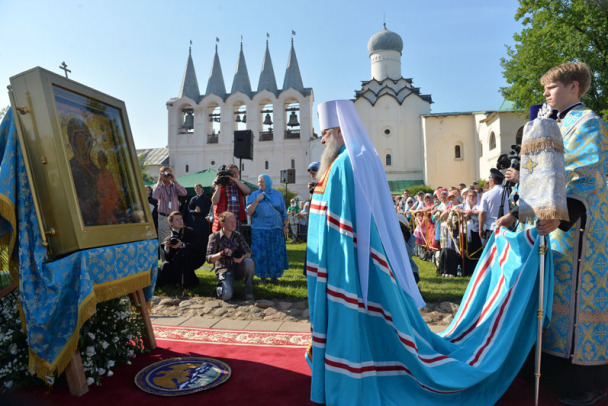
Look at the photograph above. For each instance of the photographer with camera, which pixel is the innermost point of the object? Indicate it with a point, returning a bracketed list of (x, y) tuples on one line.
[(166, 192), (228, 250), (313, 168), (229, 195), (511, 184), (180, 254)]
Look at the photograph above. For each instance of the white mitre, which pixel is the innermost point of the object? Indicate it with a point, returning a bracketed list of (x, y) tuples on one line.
[(328, 114)]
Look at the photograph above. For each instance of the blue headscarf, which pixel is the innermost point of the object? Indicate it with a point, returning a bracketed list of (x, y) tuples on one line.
[(268, 182)]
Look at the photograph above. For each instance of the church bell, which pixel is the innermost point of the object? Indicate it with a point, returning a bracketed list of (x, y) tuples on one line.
[(188, 120), (267, 119), (293, 120)]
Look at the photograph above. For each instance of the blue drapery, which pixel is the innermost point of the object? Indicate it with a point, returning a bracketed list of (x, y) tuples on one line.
[(58, 296)]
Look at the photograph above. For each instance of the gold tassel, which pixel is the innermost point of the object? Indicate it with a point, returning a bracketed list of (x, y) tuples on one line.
[(7, 243), (548, 213), (538, 144)]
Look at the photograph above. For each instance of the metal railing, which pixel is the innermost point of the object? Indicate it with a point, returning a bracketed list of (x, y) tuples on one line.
[(266, 135)]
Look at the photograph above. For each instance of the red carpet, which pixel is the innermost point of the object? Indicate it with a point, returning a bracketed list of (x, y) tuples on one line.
[(268, 368)]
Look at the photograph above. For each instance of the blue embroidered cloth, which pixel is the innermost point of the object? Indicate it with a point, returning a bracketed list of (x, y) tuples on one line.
[(57, 297)]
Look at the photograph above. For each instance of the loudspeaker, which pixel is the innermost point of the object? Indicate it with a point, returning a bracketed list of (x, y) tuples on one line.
[(288, 176), (243, 144)]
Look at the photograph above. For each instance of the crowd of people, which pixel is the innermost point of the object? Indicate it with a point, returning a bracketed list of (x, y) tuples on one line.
[(451, 225), (202, 229)]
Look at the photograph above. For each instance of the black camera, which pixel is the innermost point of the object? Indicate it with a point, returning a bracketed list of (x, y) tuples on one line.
[(223, 176), (237, 254), (313, 185), (509, 161), (174, 238), (167, 174)]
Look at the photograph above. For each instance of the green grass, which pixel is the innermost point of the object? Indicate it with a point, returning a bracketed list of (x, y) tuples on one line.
[(437, 288), (292, 285)]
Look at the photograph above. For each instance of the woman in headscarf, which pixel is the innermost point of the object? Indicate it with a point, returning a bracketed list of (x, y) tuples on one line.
[(266, 207)]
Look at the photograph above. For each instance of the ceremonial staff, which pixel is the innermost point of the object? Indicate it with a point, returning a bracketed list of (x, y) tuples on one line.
[(542, 158), (539, 324)]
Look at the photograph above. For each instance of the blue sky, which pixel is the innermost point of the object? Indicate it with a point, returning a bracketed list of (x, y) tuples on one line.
[(137, 50)]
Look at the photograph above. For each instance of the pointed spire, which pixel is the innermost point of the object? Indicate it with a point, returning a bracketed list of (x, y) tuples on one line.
[(267, 80), (241, 77), (215, 84), (292, 74), (189, 83)]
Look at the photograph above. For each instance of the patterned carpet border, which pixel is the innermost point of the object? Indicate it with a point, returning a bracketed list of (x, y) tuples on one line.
[(232, 337)]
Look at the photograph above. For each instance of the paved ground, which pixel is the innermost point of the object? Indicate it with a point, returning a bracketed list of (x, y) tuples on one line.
[(230, 324), (261, 315)]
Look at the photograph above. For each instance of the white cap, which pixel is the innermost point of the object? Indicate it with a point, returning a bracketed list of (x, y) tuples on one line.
[(328, 115)]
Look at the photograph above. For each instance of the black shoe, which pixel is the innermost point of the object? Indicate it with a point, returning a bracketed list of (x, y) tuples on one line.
[(585, 398)]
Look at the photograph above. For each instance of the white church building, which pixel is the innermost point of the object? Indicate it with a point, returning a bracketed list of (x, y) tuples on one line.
[(415, 145), (202, 126)]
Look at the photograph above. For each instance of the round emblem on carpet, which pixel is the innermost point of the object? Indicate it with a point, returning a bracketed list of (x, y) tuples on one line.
[(182, 376)]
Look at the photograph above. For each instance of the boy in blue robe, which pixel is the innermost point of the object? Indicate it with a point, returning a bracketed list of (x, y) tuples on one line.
[(575, 345)]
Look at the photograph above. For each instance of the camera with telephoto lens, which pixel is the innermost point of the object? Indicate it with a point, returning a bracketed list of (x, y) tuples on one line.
[(223, 176), (509, 161)]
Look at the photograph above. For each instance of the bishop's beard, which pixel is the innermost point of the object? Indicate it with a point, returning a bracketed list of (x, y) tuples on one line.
[(332, 149)]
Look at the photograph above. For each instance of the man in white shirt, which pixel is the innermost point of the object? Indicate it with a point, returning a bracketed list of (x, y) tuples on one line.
[(491, 203)]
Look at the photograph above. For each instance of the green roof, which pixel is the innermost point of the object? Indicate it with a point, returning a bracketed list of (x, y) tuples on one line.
[(397, 186), (508, 105), (205, 178)]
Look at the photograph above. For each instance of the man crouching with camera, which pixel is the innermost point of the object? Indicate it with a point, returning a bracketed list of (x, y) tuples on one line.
[(229, 251), (180, 254)]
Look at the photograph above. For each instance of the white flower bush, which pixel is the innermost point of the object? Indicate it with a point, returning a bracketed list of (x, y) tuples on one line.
[(110, 337), (14, 354)]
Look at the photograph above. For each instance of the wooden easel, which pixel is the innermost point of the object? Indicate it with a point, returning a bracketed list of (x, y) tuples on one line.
[(77, 380)]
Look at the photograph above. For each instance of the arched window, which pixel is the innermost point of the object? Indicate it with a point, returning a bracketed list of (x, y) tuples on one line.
[(267, 120), (292, 118), (388, 159), (293, 164), (492, 141), (187, 125), (240, 116), (457, 152), (519, 135), (215, 119), (265, 164)]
